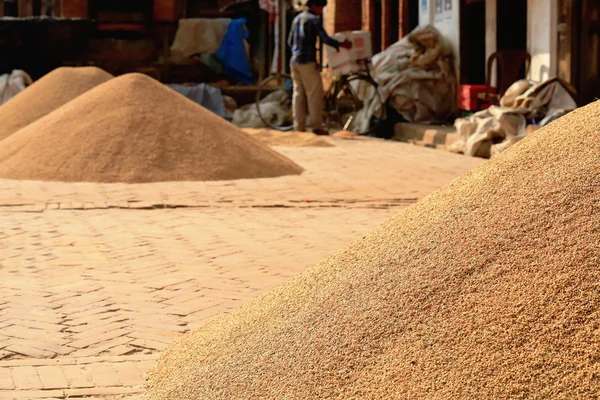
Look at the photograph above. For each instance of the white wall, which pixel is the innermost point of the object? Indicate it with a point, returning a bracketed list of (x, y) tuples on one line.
[(541, 32), (542, 38), (490, 35), (448, 22), (424, 12)]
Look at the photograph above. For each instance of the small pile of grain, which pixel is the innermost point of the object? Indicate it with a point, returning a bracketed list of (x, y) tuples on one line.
[(488, 288), (47, 94), (290, 139), (348, 135), (133, 129)]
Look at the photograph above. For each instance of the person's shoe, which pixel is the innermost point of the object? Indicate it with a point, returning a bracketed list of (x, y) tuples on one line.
[(320, 132)]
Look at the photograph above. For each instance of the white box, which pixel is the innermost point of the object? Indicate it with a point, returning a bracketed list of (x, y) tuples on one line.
[(361, 48), (346, 68)]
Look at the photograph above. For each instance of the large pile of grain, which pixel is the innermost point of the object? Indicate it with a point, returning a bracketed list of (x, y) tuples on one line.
[(133, 129), (488, 288), (47, 94), (290, 139)]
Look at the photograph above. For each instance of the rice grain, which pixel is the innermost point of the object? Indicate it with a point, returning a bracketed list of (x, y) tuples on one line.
[(488, 288), (133, 129), (46, 95)]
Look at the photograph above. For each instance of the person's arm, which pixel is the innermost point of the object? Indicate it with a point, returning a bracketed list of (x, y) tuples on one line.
[(290, 40), (328, 40)]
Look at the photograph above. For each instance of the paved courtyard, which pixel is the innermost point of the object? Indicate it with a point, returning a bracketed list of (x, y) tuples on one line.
[(97, 279)]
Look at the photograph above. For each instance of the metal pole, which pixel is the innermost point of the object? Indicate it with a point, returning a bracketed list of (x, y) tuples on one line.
[(166, 55), (282, 37)]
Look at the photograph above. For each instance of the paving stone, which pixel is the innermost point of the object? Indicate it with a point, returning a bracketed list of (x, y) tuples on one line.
[(50, 327), (77, 376), (33, 394), (121, 350), (103, 346), (156, 331), (192, 307), (6, 379), (29, 351), (52, 377), (87, 333), (152, 336), (129, 374), (149, 344), (29, 314), (41, 346), (99, 338), (103, 391), (103, 374), (24, 332), (144, 367), (26, 378)]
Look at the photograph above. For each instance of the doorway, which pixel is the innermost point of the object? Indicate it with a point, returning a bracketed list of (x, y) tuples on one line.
[(472, 43), (413, 14), (511, 28), (376, 31), (11, 9), (589, 52), (390, 24), (116, 11)]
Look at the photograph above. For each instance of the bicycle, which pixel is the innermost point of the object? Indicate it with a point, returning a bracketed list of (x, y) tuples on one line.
[(352, 102)]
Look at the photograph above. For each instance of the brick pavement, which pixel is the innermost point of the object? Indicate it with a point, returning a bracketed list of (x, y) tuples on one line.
[(96, 280), (86, 283), (67, 378), (367, 171)]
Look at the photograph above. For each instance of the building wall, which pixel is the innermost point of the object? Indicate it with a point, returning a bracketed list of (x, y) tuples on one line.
[(490, 35), (542, 19), (425, 12), (542, 38), (164, 10), (388, 20), (74, 8), (447, 22), (343, 16)]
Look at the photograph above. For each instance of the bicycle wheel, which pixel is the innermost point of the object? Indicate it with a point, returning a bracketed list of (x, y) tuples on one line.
[(358, 105), (274, 102)]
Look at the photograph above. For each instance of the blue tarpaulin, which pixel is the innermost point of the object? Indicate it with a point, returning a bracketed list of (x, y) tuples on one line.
[(208, 97), (233, 54)]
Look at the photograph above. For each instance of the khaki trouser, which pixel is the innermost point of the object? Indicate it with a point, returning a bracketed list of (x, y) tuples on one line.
[(308, 91)]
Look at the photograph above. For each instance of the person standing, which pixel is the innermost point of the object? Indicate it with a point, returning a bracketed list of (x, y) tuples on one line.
[(306, 77)]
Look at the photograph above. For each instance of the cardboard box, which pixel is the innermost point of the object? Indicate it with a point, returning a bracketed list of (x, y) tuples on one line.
[(361, 48), (347, 68)]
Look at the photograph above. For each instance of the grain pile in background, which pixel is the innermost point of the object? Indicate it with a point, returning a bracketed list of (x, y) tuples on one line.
[(290, 139), (348, 135), (47, 94), (134, 129), (488, 288)]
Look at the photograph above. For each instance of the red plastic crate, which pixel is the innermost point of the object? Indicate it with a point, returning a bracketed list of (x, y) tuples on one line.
[(473, 104), (468, 104), (471, 90), (472, 97)]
